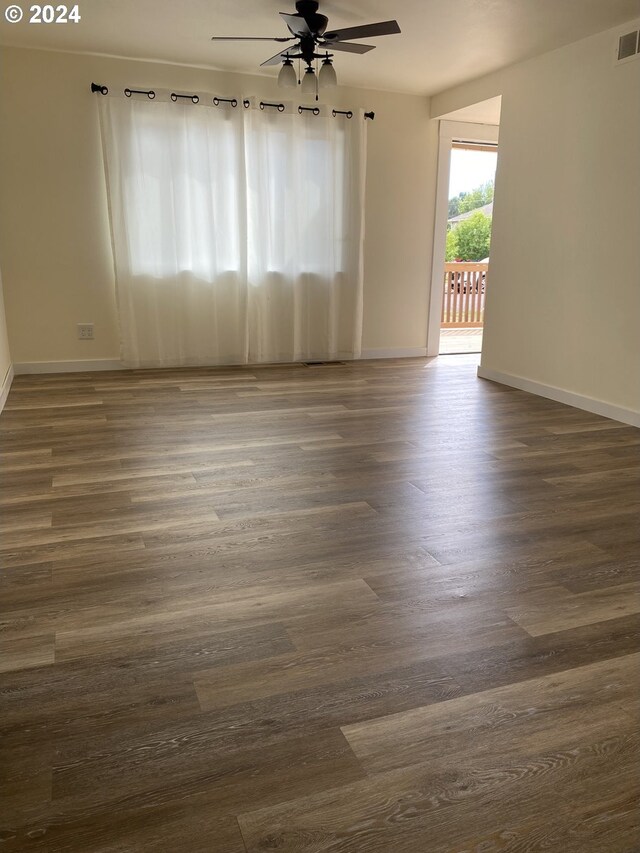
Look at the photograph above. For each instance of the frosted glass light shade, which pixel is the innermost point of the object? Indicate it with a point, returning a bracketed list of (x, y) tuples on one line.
[(309, 82), (287, 77), (327, 78)]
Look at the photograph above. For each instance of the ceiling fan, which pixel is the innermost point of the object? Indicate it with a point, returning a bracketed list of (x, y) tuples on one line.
[(308, 29)]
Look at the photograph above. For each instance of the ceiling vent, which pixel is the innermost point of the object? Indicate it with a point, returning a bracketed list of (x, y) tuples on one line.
[(627, 46)]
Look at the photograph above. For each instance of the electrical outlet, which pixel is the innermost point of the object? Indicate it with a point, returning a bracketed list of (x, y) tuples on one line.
[(85, 331)]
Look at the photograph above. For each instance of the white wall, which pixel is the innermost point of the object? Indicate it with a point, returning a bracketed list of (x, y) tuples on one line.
[(54, 235), (563, 301)]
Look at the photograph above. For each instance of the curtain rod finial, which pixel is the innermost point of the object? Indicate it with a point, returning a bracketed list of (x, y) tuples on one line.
[(96, 87)]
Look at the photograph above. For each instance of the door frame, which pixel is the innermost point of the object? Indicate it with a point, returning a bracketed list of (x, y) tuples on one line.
[(449, 132)]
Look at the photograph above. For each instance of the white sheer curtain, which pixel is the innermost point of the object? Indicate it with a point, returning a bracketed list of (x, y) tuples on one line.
[(237, 233)]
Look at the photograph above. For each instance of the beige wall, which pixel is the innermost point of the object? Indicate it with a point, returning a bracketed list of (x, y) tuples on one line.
[(563, 305), (5, 353), (54, 236)]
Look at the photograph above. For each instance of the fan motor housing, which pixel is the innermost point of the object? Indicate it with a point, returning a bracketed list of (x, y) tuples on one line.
[(308, 9)]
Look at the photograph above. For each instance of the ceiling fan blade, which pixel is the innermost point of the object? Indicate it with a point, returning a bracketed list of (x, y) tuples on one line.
[(383, 28), (348, 47), (297, 24), (277, 59), (250, 38)]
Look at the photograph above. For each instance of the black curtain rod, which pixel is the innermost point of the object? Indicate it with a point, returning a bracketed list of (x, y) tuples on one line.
[(175, 96)]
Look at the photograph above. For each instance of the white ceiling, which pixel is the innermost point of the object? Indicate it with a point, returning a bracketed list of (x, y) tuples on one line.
[(443, 42)]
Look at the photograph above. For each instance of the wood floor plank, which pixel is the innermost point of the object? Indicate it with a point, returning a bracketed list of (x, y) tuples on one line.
[(26, 778), (179, 644), (359, 653), (556, 610), (23, 649), (589, 829), (191, 825), (233, 609), (529, 714), (53, 706), (191, 768)]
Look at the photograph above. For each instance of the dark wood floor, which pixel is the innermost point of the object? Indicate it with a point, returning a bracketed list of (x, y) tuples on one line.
[(380, 607)]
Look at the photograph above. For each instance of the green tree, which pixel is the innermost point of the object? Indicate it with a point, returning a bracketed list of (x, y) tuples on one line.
[(464, 202), (451, 249), (454, 205), (472, 237)]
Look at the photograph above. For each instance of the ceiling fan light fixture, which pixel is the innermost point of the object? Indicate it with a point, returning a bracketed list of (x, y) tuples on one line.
[(287, 77), (312, 40), (309, 82), (327, 78)]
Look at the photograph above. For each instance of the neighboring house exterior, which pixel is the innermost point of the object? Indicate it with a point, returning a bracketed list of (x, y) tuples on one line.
[(487, 209)]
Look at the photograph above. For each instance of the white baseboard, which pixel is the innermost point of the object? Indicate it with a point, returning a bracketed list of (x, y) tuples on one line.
[(73, 366), (395, 352), (88, 366), (79, 366), (6, 386), (560, 395)]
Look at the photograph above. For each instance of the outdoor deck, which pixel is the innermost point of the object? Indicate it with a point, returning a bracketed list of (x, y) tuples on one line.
[(463, 307), (460, 341)]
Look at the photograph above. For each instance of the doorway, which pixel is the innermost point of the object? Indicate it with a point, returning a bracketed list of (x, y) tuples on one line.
[(462, 237), (472, 172)]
